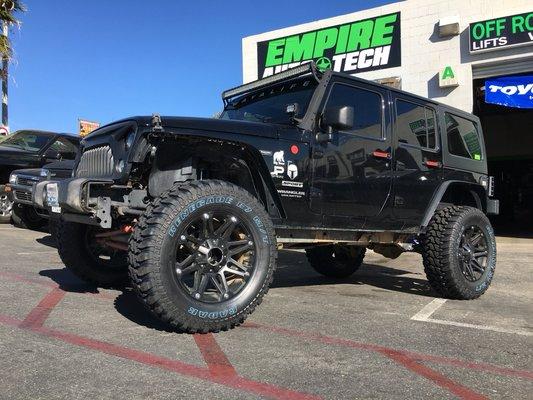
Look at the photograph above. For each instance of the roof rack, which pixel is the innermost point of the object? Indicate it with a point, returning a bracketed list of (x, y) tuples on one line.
[(303, 69)]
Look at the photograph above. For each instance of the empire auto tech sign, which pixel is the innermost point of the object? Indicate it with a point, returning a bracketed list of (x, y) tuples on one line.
[(358, 46)]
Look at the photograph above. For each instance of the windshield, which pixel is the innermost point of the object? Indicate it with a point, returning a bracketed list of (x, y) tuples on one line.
[(269, 105), (27, 140)]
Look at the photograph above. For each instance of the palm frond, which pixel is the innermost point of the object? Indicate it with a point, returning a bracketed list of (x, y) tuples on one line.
[(8, 16)]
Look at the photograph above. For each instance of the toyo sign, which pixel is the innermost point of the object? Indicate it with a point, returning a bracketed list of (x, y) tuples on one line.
[(352, 47), (497, 33), (510, 91)]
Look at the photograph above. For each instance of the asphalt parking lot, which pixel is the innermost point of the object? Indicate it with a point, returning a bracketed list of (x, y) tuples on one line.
[(380, 334)]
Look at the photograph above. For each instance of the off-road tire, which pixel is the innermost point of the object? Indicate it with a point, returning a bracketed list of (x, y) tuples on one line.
[(336, 261), (441, 249), (26, 217), (73, 249), (153, 250)]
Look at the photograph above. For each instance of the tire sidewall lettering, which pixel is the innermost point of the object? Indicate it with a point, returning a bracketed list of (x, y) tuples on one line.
[(197, 204)]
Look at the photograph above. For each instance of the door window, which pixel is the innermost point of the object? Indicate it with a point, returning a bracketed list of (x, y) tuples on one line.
[(65, 148), (368, 109), (415, 124), (463, 137)]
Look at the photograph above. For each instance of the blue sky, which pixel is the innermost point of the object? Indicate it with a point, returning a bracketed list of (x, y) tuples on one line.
[(106, 60)]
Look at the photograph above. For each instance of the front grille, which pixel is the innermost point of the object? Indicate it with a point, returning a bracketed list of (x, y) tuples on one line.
[(96, 162), (22, 195), (26, 181)]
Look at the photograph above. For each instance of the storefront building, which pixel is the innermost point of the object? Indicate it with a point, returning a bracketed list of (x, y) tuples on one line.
[(476, 55)]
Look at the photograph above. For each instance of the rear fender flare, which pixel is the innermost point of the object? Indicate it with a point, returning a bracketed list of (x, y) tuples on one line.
[(475, 190)]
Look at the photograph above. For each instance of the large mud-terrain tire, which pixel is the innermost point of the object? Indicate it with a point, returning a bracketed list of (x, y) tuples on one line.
[(459, 252), (203, 256), (25, 216), (89, 261), (336, 261)]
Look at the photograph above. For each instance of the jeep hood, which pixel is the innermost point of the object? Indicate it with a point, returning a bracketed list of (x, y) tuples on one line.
[(222, 125), (202, 124)]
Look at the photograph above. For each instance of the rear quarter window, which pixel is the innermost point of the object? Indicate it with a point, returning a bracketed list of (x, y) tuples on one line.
[(463, 137)]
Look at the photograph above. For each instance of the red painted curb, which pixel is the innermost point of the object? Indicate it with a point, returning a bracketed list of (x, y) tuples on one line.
[(440, 380), (214, 357), (414, 355), (40, 313), (234, 382)]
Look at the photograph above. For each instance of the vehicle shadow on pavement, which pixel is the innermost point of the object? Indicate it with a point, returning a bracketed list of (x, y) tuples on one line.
[(127, 304), (294, 270), (47, 241), (68, 282)]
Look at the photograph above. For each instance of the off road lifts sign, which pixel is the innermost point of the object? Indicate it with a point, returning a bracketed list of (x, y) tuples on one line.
[(497, 33), (353, 47)]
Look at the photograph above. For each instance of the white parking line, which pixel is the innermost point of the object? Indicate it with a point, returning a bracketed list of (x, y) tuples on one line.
[(430, 308), (425, 313), (29, 253)]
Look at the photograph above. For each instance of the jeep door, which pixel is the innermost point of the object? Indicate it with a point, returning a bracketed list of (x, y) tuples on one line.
[(351, 172), (418, 158)]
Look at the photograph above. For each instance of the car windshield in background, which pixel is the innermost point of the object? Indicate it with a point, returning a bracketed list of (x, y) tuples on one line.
[(270, 104), (27, 140)]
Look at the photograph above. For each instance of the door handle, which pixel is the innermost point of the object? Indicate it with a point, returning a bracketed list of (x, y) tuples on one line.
[(381, 154)]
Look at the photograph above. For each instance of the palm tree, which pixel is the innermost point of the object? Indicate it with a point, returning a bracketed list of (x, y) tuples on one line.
[(8, 8)]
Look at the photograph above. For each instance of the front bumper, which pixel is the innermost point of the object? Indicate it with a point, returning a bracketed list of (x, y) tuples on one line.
[(75, 202), (21, 194)]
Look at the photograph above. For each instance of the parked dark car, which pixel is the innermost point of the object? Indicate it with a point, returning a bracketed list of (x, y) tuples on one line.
[(20, 188), (193, 210), (31, 149)]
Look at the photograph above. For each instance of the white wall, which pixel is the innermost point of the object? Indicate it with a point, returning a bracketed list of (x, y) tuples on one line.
[(424, 53)]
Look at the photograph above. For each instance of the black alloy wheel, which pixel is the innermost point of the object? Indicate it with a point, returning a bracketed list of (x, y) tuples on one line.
[(215, 257), (473, 253)]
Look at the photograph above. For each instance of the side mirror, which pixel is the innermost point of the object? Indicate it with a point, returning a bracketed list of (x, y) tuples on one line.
[(338, 118)]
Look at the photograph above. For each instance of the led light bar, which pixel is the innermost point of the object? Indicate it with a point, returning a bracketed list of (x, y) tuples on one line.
[(289, 73)]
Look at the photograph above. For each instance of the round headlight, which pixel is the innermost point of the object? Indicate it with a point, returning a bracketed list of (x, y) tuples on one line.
[(13, 179), (44, 173), (129, 140)]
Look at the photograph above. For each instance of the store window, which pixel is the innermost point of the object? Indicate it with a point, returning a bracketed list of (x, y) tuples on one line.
[(415, 124), (463, 137)]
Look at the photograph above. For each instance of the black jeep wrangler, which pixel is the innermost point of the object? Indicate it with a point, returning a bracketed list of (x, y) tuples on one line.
[(194, 210)]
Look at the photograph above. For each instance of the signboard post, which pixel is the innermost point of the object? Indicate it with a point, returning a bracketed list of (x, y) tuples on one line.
[(85, 127), (358, 46), (498, 33)]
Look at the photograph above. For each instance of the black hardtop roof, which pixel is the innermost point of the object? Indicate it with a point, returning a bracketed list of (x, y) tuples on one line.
[(419, 98), (46, 133)]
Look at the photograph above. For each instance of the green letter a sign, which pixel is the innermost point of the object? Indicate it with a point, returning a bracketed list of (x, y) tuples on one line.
[(448, 73)]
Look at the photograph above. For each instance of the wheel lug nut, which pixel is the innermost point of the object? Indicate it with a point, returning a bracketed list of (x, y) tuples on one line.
[(226, 295), (250, 243), (197, 296), (206, 216), (182, 238), (233, 219), (178, 271)]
